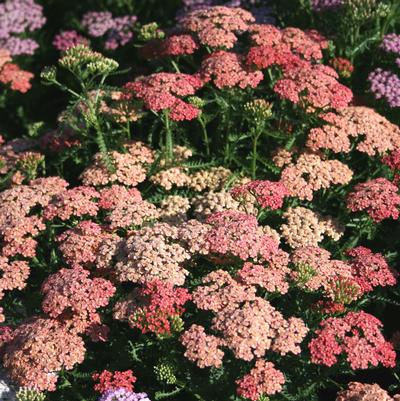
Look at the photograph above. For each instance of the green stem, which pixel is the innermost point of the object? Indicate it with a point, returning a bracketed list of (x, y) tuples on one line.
[(176, 68), (254, 156), (168, 138), (205, 135), (128, 130)]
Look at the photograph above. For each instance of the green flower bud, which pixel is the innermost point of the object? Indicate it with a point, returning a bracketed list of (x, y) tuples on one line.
[(150, 31), (49, 74), (196, 101), (25, 394), (258, 110), (304, 273), (165, 373)]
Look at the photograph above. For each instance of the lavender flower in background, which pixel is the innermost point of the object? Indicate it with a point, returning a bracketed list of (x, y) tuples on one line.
[(326, 5), (260, 10), (385, 85), (122, 394), (16, 17), (391, 44), (66, 39), (121, 33), (117, 31), (97, 23)]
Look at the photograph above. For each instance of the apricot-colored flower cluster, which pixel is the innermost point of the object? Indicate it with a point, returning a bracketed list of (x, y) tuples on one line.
[(378, 135), (39, 349), (311, 173), (307, 228), (11, 74), (365, 392), (129, 170)]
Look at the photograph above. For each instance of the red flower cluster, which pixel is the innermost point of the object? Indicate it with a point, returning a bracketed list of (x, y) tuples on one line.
[(160, 91), (358, 335), (343, 66), (267, 56), (392, 160), (113, 380), (151, 307)]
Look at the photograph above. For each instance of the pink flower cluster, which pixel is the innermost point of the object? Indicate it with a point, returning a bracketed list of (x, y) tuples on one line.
[(237, 234), (365, 392), (358, 335), (264, 378), (162, 91), (268, 194), (314, 269), (370, 269), (175, 45), (78, 201), (66, 39), (378, 197), (307, 44), (226, 70), (79, 245), (17, 226), (73, 298), (313, 86), (248, 325), (216, 26)]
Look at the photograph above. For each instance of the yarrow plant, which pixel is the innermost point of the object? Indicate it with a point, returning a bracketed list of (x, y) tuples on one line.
[(209, 210)]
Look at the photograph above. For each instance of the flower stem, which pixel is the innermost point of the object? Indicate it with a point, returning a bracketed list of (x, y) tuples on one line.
[(168, 138), (254, 155), (205, 135)]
